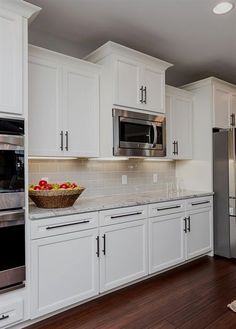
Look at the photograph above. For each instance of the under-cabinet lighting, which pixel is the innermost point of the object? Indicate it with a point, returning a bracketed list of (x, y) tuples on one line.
[(51, 158), (109, 159), (223, 8), (159, 159)]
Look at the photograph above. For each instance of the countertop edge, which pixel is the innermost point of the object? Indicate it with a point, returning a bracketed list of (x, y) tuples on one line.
[(49, 213)]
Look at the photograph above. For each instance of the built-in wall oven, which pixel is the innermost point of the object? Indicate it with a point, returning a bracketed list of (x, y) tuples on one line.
[(12, 202), (138, 134)]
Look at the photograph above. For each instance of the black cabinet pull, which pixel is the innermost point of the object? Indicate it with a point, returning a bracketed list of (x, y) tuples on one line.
[(199, 203), (98, 247), (67, 141), (177, 147), (185, 225), (64, 225), (232, 119), (174, 144), (127, 215), (189, 223), (104, 244), (4, 317), (141, 100), (167, 208), (62, 146), (145, 95)]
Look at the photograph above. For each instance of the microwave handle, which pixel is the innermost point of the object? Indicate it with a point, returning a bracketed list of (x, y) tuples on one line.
[(155, 135)]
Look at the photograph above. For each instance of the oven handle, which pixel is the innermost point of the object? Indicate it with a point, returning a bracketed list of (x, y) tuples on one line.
[(12, 217), (155, 136), (13, 140)]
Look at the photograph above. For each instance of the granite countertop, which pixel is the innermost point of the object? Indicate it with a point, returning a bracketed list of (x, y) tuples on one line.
[(116, 201)]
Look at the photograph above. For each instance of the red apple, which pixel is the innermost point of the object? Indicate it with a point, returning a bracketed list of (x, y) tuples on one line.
[(37, 188), (64, 186), (43, 182)]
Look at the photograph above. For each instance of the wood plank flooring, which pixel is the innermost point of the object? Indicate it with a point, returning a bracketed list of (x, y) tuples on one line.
[(193, 296)]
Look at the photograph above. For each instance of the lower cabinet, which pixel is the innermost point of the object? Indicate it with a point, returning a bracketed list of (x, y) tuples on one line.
[(199, 239), (65, 270), (166, 241), (180, 236), (124, 255)]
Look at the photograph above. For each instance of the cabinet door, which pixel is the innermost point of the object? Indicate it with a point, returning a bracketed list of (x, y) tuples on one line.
[(199, 236), (181, 128), (126, 84), (11, 63), (221, 107), (124, 254), (233, 110), (153, 82), (44, 108), (81, 113), (64, 271), (166, 241)]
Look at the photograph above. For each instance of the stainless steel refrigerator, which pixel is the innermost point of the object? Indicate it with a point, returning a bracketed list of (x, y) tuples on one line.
[(224, 175)]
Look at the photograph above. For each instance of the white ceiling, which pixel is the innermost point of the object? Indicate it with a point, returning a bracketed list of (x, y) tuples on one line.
[(183, 32)]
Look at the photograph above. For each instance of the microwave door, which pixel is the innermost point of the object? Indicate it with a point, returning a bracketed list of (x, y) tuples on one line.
[(136, 133)]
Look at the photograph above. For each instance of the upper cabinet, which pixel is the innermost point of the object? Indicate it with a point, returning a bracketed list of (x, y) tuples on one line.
[(137, 80), (224, 104), (63, 105), (11, 59), (179, 123), (14, 17)]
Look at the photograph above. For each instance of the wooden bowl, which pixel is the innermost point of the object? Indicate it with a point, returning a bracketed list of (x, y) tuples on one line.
[(55, 198)]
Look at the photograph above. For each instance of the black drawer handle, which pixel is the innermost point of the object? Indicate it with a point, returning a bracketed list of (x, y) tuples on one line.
[(98, 247), (167, 208), (4, 317), (64, 225), (198, 203), (104, 244), (127, 215)]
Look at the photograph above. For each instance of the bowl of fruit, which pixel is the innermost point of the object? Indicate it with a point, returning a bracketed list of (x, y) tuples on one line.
[(48, 195)]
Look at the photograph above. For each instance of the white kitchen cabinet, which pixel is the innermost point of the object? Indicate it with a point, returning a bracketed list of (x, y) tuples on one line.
[(166, 241), (233, 109), (127, 81), (153, 83), (222, 97), (64, 270), (63, 105), (123, 252), (139, 86), (179, 123), (199, 232), (11, 62), (81, 113), (45, 107)]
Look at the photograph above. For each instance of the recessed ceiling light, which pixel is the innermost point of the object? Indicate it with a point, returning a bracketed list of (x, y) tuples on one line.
[(223, 8)]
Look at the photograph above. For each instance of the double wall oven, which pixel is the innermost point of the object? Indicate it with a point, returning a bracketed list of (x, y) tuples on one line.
[(138, 134), (12, 202)]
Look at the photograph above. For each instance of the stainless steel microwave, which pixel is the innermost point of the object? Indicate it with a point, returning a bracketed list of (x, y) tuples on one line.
[(138, 134)]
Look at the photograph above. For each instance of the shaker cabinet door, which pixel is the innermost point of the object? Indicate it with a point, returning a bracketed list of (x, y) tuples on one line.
[(44, 108), (126, 84), (81, 113), (221, 107), (123, 253), (64, 271), (166, 241), (154, 89), (199, 237), (11, 63)]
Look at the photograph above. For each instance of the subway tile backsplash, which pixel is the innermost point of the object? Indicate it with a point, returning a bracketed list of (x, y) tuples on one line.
[(102, 178)]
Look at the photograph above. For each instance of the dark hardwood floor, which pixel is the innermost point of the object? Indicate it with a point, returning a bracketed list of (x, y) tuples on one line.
[(193, 296)]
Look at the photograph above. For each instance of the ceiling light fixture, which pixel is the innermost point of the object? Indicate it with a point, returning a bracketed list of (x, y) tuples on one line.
[(223, 8)]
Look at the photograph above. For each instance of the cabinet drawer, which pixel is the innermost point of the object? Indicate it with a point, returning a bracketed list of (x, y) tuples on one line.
[(11, 312), (201, 202), (166, 208), (122, 215), (64, 224)]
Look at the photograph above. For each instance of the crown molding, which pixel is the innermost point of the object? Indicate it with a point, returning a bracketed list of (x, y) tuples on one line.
[(21, 7)]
